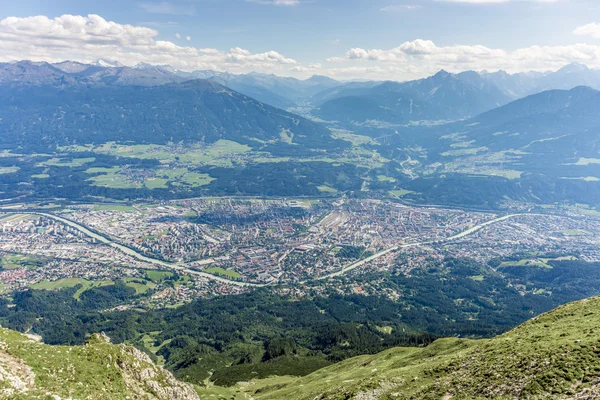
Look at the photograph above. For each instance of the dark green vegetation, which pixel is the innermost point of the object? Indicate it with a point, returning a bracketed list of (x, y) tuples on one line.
[(33, 118), (552, 356), (238, 337), (147, 132), (260, 334)]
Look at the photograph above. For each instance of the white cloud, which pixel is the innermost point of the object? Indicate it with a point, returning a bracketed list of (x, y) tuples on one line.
[(592, 30), (168, 8), (309, 68), (500, 1), (400, 8), (276, 2), (88, 38), (422, 57)]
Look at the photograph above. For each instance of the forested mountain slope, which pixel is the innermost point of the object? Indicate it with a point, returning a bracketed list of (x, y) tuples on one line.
[(552, 356)]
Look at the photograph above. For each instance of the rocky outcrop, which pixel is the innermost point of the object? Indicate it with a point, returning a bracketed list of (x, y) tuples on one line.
[(30, 369)]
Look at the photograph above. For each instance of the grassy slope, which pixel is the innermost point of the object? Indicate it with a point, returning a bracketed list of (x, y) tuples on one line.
[(556, 355), (99, 370)]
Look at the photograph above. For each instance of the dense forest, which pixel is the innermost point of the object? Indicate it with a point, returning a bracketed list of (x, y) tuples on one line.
[(261, 333)]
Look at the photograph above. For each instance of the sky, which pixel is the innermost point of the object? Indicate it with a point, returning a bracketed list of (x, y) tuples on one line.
[(344, 39)]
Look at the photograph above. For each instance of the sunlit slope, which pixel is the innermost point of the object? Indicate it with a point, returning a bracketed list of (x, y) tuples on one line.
[(98, 370), (556, 355)]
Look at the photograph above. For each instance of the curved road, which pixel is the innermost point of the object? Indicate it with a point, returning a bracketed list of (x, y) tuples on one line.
[(419, 244), (180, 268), (139, 256)]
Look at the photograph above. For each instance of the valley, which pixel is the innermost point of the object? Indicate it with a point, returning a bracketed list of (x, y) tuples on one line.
[(253, 233)]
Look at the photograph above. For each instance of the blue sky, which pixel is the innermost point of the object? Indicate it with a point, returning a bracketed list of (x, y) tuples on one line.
[(350, 39)]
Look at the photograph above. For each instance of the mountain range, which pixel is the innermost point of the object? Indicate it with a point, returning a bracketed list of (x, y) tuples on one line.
[(475, 91), (468, 123), (555, 127)]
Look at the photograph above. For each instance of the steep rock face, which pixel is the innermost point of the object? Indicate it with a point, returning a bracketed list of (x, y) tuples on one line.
[(98, 370)]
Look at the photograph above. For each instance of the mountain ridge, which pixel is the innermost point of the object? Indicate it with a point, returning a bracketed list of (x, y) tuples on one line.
[(30, 369), (551, 356), (196, 110)]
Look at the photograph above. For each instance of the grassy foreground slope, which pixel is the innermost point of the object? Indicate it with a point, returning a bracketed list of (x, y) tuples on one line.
[(556, 355), (97, 370)]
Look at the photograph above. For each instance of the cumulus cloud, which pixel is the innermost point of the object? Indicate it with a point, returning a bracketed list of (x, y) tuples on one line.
[(399, 8), (424, 57), (500, 1), (305, 69), (276, 2), (592, 30), (88, 38)]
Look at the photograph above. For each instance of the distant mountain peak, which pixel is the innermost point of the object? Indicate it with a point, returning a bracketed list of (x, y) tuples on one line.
[(574, 68), (321, 79), (71, 67), (105, 63)]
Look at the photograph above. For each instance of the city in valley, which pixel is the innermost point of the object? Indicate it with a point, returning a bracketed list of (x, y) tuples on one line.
[(173, 252)]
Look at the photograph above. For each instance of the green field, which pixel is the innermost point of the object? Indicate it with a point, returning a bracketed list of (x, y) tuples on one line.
[(14, 261), (157, 275), (19, 217), (65, 162), (111, 178), (539, 262), (113, 207), (226, 273), (327, 189), (141, 286), (156, 183), (356, 140), (384, 178), (70, 282), (399, 192)]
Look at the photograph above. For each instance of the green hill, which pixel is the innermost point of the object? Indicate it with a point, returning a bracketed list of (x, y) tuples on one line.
[(42, 117), (556, 355), (97, 370)]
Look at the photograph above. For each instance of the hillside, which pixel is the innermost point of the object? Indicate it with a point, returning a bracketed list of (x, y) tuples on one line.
[(552, 356), (97, 370), (552, 130), (443, 96), (42, 117)]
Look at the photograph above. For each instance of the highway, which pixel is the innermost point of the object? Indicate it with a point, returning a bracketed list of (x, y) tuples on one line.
[(419, 244), (139, 256)]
